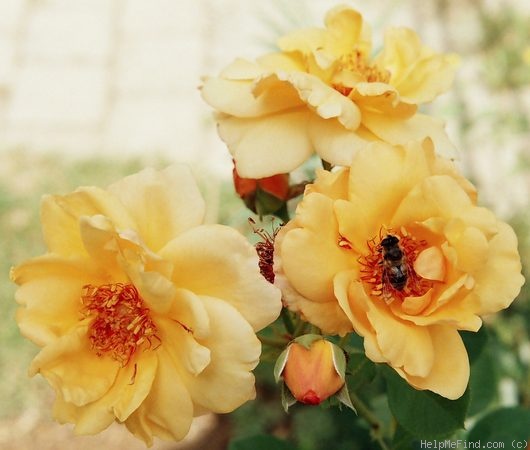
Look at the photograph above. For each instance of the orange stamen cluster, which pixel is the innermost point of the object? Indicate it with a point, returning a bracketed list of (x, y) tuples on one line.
[(356, 62), (373, 269), (121, 323)]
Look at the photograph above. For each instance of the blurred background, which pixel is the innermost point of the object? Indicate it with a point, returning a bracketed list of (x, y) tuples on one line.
[(91, 90)]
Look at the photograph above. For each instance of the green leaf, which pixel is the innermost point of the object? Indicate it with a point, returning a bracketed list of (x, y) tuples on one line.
[(260, 442), (507, 425), (360, 371), (280, 364), (482, 383), (403, 440), (474, 342), (424, 414), (267, 203)]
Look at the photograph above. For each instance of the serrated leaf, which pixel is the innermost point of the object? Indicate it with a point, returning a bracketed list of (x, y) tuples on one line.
[(424, 414), (507, 425), (260, 442)]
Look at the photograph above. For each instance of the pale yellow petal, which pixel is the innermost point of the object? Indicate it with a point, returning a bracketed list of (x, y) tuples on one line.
[(435, 196), (188, 310), (268, 145), (417, 72), (328, 316), (227, 382), (217, 261), (182, 346), (321, 98), (49, 293), (402, 343), (167, 411), (131, 386), (450, 372), (396, 131), (334, 143), (430, 264), (250, 98), (163, 203), (60, 217), (332, 184), (73, 368), (499, 280), (310, 254)]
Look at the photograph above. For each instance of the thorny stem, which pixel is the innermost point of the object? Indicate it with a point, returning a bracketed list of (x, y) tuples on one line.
[(371, 418)]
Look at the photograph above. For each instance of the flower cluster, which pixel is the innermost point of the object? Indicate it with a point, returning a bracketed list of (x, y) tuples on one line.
[(148, 317)]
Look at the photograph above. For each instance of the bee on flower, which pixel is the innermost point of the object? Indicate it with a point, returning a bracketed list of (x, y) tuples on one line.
[(395, 248)]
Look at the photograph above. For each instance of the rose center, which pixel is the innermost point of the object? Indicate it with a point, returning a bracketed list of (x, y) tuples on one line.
[(388, 267), (357, 63), (121, 323)]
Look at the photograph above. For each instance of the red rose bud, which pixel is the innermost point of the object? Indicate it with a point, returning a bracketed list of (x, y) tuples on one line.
[(262, 195), (313, 369)]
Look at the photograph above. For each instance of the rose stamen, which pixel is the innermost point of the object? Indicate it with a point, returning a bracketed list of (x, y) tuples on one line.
[(375, 270), (121, 323), (357, 63), (265, 250)]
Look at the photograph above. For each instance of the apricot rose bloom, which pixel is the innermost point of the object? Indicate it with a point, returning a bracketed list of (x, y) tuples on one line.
[(145, 316), (458, 261), (323, 92)]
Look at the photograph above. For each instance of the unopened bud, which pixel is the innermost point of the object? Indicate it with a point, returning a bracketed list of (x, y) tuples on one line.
[(313, 370)]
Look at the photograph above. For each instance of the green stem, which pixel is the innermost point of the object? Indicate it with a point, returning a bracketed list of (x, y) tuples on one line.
[(371, 418), (300, 328)]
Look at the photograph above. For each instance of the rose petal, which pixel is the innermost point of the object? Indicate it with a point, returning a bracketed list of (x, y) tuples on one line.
[(218, 261), (163, 203), (450, 363), (269, 145), (227, 381)]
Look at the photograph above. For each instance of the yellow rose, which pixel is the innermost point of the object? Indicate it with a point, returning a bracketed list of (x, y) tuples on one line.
[(396, 249), (324, 93), (144, 315)]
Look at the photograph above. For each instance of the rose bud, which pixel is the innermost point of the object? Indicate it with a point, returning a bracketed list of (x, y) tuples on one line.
[(313, 369)]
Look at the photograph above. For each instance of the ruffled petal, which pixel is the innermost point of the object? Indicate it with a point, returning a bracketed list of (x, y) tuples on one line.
[(332, 184), (400, 132), (50, 292), (240, 98), (60, 217), (311, 255), (450, 363), (328, 316), (402, 343), (417, 72), (217, 261), (82, 382), (163, 203), (321, 98), (132, 385), (499, 280), (334, 143), (167, 411), (269, 145), (227, 382)]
